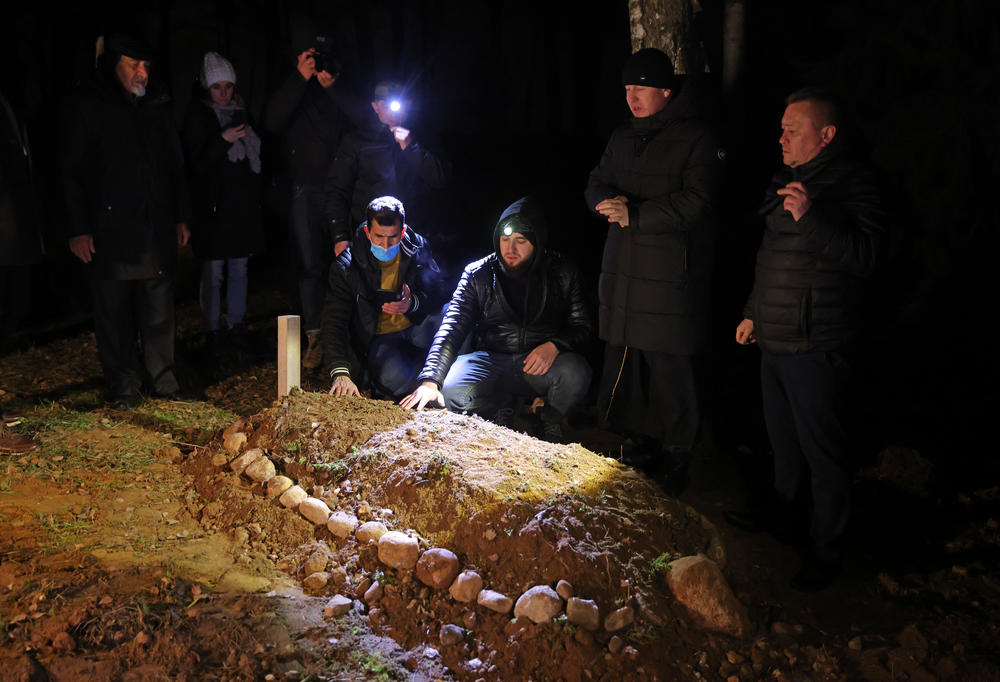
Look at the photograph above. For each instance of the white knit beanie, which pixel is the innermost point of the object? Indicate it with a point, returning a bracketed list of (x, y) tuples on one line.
[(216, 69)]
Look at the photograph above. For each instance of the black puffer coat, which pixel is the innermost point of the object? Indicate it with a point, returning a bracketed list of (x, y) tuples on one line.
[(351, 311), (812, 276), (656, 273), (124, 180), (478, 306), (225, 195), (370, 164)]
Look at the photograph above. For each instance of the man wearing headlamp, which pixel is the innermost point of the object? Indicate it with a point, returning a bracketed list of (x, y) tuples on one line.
[(524, 309), (381, 158)]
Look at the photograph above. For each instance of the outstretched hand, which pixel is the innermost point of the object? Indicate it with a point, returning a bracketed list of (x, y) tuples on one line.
[(342, 385), (426, 392)]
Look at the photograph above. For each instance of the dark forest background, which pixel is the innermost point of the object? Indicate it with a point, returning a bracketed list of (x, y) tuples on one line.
[(523, 96)]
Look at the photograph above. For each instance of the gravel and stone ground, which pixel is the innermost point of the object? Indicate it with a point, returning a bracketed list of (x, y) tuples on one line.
[(155, 544)]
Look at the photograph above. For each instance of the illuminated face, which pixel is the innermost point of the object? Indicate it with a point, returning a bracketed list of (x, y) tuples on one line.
[(222, 93), (133, 74), (388, 114), (645, 101), (801, 139), (515, 249), (385, 236)]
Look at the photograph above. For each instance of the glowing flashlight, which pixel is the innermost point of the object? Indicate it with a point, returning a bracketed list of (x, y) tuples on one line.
[(394, 105)]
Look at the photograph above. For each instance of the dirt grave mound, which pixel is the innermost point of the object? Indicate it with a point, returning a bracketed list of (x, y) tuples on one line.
[(518, 511)]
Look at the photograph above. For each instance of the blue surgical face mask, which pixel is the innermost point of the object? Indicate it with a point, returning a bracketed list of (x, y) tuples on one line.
[(385, 255)]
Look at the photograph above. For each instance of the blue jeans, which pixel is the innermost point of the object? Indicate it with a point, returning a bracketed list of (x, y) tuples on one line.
[(395, 359), (481, 382), (311, 252), (210, 292)]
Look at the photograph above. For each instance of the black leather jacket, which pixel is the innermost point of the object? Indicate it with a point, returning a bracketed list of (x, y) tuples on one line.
[(351, 310)]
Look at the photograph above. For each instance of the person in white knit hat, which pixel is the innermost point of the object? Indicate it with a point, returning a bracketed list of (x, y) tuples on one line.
[(223, 155)]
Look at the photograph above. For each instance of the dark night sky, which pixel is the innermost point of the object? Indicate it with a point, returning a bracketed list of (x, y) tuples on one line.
[(524, 94)]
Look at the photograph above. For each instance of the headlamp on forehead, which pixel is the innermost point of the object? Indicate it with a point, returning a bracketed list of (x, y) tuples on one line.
[(507, 230), (395, 105)]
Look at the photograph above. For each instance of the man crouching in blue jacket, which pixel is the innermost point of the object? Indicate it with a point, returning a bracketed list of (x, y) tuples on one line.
[(524, 307)]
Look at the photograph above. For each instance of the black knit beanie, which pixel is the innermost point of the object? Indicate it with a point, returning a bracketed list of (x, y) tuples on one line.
[(650, 67)]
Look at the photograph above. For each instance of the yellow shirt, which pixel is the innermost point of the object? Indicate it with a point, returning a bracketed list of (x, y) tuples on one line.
[(390, 280)]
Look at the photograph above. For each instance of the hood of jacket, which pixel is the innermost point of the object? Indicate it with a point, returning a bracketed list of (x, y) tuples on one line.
[(526, 217)]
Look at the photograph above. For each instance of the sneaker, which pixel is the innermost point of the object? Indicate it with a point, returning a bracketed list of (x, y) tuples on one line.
[(314, 352), (552, 432), (504, 417)]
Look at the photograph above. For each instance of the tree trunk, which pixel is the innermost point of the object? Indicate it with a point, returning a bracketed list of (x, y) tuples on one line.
[(668, 25)]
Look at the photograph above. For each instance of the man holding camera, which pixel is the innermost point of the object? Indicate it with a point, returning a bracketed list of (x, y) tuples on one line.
[(381, 158), (385, 296), (305, 114)]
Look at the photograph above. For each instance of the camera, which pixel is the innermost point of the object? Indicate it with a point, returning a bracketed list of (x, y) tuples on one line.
[(387, 296), (323, 56), (239, 118)]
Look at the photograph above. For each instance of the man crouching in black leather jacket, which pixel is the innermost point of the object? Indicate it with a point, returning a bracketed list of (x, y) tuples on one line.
[(525, 309)]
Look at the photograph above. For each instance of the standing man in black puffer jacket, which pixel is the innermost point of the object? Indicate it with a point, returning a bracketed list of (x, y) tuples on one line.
[(825, 222), (525, 308), (657, 185)]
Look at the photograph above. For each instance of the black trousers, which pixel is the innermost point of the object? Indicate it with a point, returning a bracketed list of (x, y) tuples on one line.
[(806, 407), (125, 310), (651, 394)]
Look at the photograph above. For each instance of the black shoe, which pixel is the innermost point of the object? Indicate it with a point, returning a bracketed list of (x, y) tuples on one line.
[(815, 575), (673, 478), (125, 402), (504, 417), (748, 521), (552, 432)]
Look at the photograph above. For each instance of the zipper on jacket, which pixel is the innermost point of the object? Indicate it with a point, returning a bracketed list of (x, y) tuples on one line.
[(611, 397)]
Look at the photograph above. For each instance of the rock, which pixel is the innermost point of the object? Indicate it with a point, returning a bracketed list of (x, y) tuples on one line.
[(855, 643), (373, 593), (539, 603), (583, 613), (362, 587), (142, 638), (237, 425), (698, 584), (564, 589), (364, 510), (244, 460), (63, 642), (376, 617), (469, 619), (437, 568), (779, 628), (338, 576), (234, 441), (370, 531), (315, 582), (490, 535), (292, 497), (398, 550), (316, 562), (616, 644), (466, 586), (315, 510), (494, 601), (342, 524), (261, 470), (220, 459), (338, 605), (584, 637), (619, 619), (914, 642), (278, 485), (451, 634)]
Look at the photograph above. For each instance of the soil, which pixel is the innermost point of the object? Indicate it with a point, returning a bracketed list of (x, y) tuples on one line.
[(126, 553)]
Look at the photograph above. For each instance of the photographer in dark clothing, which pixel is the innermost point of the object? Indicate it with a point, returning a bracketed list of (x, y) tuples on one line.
[(382, 158), (657, 185), (825, 222), (305, 113), (128, 210), (385, 296), (523, 305)]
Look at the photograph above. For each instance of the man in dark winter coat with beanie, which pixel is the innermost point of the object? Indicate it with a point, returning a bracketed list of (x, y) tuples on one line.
[(523, 305), (657, 186), (128, 210), (825, 221)]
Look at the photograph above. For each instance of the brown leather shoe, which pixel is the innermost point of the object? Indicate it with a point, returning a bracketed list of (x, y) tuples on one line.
[(13, 444)]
